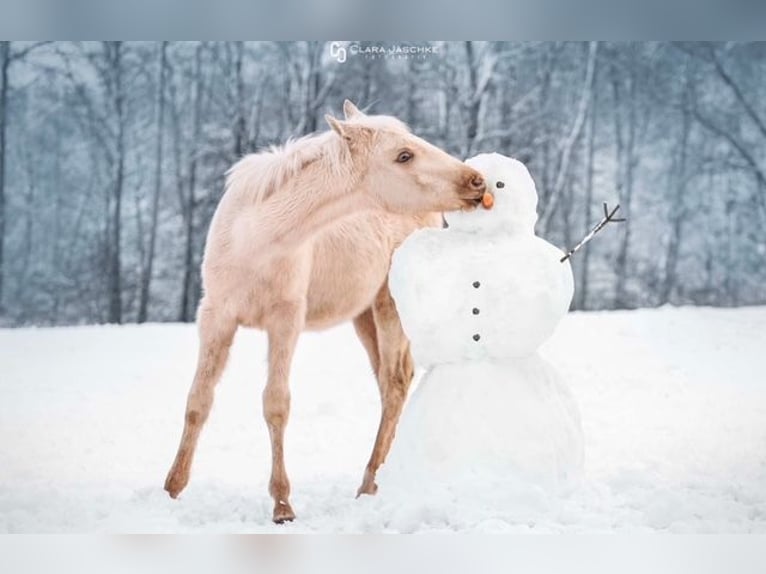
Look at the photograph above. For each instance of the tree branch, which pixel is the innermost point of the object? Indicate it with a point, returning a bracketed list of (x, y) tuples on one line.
[(729, 81), (20, 54), (741, 149)]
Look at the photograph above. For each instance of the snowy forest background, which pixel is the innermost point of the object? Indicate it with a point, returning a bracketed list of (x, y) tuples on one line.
[(113, 154)]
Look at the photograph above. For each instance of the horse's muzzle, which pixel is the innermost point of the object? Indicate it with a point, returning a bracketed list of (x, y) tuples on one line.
[(477, 183)]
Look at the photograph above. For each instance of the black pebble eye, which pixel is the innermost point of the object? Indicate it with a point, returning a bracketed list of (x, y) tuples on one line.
[(500, 185), (404, 157)]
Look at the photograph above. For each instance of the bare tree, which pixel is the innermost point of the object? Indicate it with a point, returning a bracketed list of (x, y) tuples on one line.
[(732, 133), (148, 264), (624, 90), (677, 207), (308, 82), (572, 137), (5, 63), (479, 70), (7, 57), (240, 127), (114, 82), (582, 291), (189, 202)]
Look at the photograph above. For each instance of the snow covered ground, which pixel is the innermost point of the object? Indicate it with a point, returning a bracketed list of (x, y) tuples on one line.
[(673, 403)]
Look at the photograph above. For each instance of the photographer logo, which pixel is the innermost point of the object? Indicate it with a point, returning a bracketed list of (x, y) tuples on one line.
[(340, 51)]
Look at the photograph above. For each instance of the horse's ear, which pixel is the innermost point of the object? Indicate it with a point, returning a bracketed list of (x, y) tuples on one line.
[(356, 136), (350, 110), (337, 126)]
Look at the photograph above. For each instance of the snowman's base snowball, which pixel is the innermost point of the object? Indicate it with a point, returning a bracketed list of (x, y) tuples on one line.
[(511, 424)]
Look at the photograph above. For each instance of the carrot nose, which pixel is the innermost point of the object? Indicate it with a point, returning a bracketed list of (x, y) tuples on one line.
[(487, 200)]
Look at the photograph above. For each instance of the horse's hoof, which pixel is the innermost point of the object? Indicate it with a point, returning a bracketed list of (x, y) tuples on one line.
[(367, 488), (172, 491), (283, 520), (283, 512), (174, 485)]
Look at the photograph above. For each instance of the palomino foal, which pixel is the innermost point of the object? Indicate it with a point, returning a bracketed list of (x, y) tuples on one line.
[(302, 239)]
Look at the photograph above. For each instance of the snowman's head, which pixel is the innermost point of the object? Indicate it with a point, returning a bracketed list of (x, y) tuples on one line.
[(515, 205)]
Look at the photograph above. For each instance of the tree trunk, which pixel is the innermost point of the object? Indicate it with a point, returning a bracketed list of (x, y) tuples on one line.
[(548, 66), (5, 61), (186, 313), (411, 105), (566, 213), (146, 278), (506, 142), (115, 264), (29, 222), (240, 128), (56, 227), (627, 159), (473, 102), (731, 284), (366, 96), (677, 211), (312, 87), (582, 299)]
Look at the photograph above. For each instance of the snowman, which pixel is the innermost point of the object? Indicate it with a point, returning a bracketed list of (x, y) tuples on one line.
[(477, 299)]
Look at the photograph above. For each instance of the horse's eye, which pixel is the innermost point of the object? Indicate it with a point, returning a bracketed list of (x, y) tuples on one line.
[(404, 156)]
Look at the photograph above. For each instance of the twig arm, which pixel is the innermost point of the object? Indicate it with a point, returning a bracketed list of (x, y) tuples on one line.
[(609, 217)]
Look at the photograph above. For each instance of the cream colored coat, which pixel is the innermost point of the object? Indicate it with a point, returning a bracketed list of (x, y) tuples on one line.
[(302, 239)]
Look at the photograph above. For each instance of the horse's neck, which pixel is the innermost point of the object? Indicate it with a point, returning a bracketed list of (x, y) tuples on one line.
[(311, 202), (327, 207)]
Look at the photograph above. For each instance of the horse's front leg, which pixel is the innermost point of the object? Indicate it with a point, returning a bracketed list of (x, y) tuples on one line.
[(216, 332), (283, 335), (395, 372)]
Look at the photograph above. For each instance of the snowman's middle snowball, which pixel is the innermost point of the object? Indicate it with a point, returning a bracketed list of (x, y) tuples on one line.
[(525, 291)]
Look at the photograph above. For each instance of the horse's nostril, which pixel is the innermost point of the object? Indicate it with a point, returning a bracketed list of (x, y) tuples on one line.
[(477, 182)]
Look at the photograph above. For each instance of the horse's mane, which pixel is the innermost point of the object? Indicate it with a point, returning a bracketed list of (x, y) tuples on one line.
[(257, 176)]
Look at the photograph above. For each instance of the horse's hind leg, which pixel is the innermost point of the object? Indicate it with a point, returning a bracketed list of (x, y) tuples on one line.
[(283, 334), (394, 378), (215, 334), (366, 331)]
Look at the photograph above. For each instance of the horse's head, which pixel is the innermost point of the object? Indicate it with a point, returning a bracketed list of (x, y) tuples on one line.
[(404, 173)]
